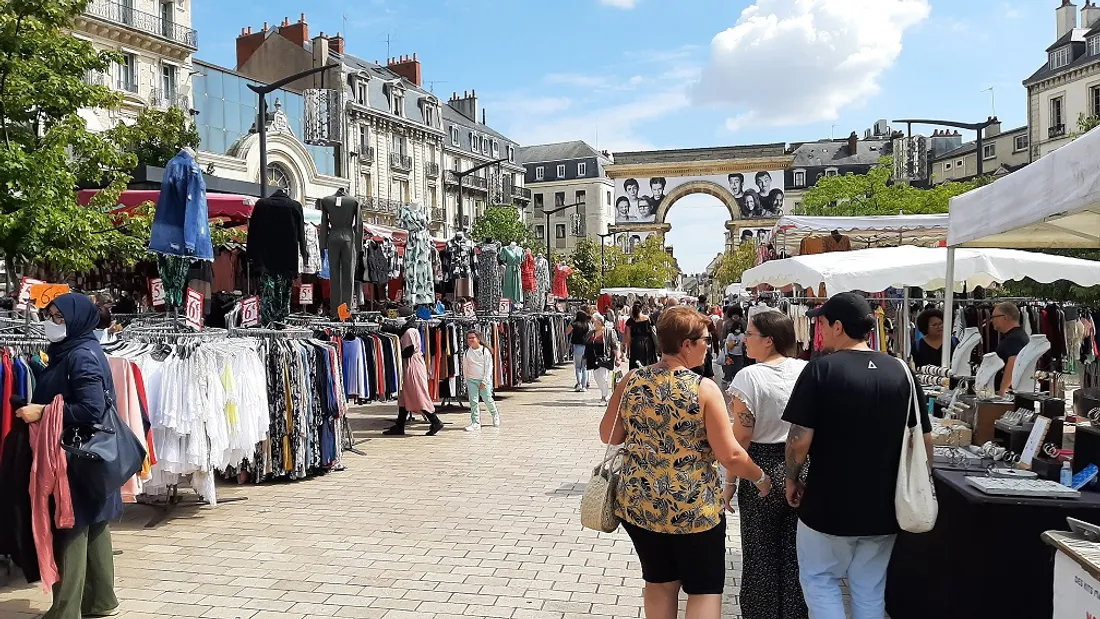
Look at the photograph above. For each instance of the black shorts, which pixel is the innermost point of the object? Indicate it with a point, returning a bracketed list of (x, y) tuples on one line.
[(697, 560)]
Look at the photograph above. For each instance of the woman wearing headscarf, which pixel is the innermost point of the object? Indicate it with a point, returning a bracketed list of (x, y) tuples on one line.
[(414, 396), (79, 373)]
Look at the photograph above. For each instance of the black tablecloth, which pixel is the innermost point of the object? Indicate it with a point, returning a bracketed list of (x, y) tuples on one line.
[(981, 544)]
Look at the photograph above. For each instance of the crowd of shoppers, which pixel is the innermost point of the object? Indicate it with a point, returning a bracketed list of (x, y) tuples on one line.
[(814, 425)]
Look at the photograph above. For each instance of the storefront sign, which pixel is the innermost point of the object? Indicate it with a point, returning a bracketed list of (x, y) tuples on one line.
[(1076, 592), (44, 294), (342, 312), (505, 306), (468, 309), (250, 311), (25, 292), (305, 294), (192, 306), (156, 291)]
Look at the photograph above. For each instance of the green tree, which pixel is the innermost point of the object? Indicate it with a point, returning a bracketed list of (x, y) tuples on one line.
[(649, 266), (734, 263), (156, 136), (584, 281), (873, 194), (45, 147), (503, 223)]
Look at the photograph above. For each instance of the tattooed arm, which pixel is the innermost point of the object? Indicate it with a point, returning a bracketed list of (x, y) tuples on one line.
[(743, 421), (798, 448)]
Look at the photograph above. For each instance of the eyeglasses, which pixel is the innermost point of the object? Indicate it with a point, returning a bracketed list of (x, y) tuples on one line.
[(996, 316), (56, 317)]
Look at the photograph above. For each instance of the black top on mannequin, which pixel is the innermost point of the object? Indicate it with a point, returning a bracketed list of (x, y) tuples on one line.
[(341, 192), (277, 224), (340, 218)]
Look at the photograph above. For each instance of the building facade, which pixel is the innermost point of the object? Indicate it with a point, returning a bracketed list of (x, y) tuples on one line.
[(568, 173), (814, 160), (397, 139), (1066, 88), (156, 42), (1003, 152)]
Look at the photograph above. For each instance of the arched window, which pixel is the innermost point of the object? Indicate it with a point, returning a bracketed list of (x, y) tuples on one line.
[(278, 176)]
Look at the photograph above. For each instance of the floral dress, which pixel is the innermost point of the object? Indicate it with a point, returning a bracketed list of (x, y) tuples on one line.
[(419, 283)]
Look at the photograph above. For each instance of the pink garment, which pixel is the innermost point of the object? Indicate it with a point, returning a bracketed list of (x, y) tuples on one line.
[(414, 396), (49, 476), (129, 408)]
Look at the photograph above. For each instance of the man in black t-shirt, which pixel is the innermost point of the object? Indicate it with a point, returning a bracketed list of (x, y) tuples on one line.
[(1006, 320), (848, 412)]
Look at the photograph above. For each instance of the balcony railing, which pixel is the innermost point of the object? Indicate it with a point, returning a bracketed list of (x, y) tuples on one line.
[(165, 99), (522, 193), (120, 13), (438, 214), (98, 78), (469, 182), (384, 206), (1056, 131), (401, 163), (128, 84), (450, 177), (431, 169), (366, 155)]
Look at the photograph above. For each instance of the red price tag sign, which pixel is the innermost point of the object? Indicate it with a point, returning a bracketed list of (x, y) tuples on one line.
[(468, 309), (250, 311), (193, 314), (505, 306), (156, 291), (305, 294), (25, 292), (44, 294)]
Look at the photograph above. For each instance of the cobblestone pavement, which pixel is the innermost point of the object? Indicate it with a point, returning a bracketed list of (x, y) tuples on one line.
[(459, 525)]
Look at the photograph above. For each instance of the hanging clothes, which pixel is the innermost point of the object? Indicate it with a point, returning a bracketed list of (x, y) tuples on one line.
[(489, 276), (276, 235), (419, 282), (527, 272), (513, 257), (561, 275), (181, 225), (542, 281)]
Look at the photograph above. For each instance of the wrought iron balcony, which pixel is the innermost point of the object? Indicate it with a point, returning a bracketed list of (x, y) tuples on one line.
[(366, 155), (98, 78), (384, 206), (165, 99), (401, 163), (128, 84), (450, 178), (469, 182), (1056, 131), (431, 169), (126, 15), (438, 214), (522, 193)]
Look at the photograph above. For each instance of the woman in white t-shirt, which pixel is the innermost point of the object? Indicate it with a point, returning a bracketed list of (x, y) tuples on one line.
[(477, 368), (769, 582)]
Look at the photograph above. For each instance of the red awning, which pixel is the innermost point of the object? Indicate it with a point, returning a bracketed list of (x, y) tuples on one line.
[(231, 206)]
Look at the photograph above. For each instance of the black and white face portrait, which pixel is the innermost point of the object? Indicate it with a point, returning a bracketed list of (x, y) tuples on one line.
[(622, 207), (631, 187), (657, 188), (764, 183), (775, 202), (646, 212), (737, 184)]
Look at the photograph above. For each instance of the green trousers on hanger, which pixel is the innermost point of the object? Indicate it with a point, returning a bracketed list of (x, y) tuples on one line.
[(86, 563)]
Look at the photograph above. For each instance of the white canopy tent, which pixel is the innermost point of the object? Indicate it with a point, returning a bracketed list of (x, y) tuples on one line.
[(879, 268), (644, 292), (869, 231), (1054, 202)]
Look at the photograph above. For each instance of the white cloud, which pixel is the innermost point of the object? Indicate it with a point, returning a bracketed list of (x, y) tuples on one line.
[(620, 4), (788, 62)]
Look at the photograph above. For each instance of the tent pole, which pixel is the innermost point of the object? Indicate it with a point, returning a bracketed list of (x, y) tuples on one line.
[(904, 317), (948, 307)]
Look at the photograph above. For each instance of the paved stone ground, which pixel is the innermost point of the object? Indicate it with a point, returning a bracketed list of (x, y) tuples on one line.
[(459, 525)]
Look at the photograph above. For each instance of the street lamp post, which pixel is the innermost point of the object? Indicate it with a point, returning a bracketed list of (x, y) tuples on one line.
[(977, 127), (261, 123), (549, 256), (462, 175), (603, 254)]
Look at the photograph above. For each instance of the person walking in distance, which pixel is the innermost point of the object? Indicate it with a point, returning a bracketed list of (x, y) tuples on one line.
[(601, 354), (733, 348), (848, 412), (769, 576), (578, 337), (477, 367)]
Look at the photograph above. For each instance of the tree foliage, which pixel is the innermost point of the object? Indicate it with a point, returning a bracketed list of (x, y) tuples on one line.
[(874, 194), (584, 281), (734, 263), (45, 147), (156, 136), (503, 223), (649, 266)]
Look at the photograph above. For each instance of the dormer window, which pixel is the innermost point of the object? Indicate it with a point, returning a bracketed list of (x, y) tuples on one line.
[(1060, 57), (398, 103), (1094, 45)]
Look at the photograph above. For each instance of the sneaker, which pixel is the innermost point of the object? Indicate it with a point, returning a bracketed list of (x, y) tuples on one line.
[(496, 421), (603, 401), (114, 612), (474, 427)]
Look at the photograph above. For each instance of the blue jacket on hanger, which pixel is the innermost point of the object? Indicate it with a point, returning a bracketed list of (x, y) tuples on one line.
[(181, 226)]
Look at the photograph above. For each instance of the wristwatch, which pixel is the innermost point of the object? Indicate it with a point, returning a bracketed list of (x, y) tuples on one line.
[(763, 477)]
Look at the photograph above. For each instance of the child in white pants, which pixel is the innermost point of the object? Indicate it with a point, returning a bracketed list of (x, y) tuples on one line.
[(477, 368)]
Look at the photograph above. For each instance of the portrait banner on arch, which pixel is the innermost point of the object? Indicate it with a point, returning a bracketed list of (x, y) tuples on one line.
[(758, 194)]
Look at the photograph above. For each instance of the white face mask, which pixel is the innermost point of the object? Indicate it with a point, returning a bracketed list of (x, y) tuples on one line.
[(55, 332)]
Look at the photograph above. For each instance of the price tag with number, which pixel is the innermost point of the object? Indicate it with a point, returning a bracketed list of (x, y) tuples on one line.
[(25, 291), (44, 294), (193, 314), (505, 306), (468, 309), (305, 294), (156, 291), (250, 311)]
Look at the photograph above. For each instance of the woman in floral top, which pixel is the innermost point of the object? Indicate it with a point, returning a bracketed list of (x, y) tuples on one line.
[(675, 429)]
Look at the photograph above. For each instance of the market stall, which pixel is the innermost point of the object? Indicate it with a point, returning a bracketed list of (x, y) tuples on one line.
[(792, 233)]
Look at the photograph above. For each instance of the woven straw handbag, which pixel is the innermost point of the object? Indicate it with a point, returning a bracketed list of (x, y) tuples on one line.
[(598, 501)]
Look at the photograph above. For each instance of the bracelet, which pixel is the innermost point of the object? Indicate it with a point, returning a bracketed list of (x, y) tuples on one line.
[(732, 483), (763, 477)]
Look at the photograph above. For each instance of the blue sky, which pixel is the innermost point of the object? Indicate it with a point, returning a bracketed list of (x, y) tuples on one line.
[(647, 74)]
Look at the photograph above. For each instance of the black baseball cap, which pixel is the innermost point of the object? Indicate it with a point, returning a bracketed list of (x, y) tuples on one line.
[(849, 308)]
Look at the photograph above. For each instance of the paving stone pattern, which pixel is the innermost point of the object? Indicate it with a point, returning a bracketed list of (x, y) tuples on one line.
[(459, 525)]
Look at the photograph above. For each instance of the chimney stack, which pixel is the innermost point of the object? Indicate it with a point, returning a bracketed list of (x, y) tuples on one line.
[(298, 33), (407, 67), (1090, 14), (853, 144), (248, 42), (466, 104), (1065, 16), (994, 129), (336, 44)]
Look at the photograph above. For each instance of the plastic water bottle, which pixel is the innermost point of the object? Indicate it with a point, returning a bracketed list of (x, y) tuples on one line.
[(1066, 475)]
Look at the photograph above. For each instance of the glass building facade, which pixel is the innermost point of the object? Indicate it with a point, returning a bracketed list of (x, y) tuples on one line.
[(228, 109)]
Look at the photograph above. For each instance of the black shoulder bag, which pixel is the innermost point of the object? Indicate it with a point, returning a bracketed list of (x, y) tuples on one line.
[(102, 456)]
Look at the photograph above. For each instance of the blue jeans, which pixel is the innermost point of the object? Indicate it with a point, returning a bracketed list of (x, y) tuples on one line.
[(823, 560), (579, 365)]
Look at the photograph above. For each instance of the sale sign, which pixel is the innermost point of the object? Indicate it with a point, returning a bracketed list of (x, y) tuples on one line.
[(468, 309), (25, 292), (505, 306), (44, 294), (250, 311), (192, 307), (305, 294), (156, 291)]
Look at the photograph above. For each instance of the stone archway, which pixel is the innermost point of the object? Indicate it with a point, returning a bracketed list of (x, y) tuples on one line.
[(695, 187)]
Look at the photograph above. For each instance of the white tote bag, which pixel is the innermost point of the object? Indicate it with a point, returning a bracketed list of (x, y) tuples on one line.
[(915, 495)]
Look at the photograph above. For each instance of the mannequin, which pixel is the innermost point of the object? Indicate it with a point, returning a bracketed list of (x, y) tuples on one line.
[(419, 282), (542, 280), (960, 360), (987, 373), (512, 257), (275, 230), (561, 275), (1023, 371), (527, 274), (341, 233), (489, 275), (462, 269)]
